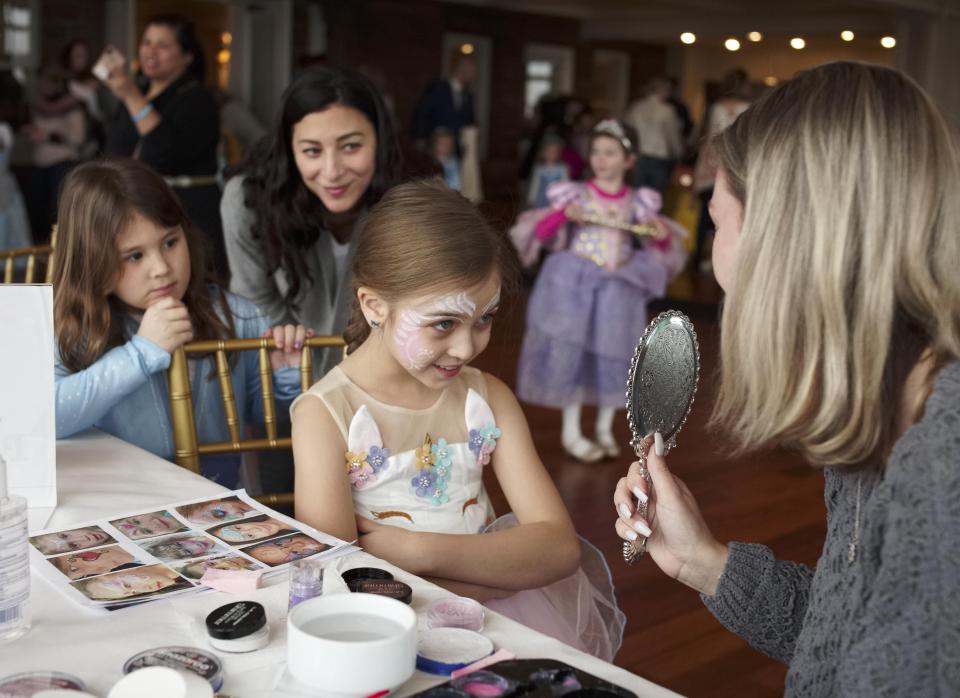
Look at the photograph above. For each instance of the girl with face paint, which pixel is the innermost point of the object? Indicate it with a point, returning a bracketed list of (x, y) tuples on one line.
[(390, 447)]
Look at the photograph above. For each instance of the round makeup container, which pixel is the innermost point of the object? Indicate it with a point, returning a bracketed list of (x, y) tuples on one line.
[(191, 659), (358, 573), (30, 682), (161, 682), (484, 684), (390, 588), (442, 651), (456, 612), (238, 627)]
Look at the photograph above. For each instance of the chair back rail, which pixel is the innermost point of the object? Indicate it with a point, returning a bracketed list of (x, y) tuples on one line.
[(187, 449)]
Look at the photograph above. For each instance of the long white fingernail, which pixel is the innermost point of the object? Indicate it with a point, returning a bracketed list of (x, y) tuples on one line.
[(624, 511), (658, 444), (642, 528), (640, 495), (631, 535)]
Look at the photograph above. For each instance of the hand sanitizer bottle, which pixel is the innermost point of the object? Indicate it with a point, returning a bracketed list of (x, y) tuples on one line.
[(14, 562)]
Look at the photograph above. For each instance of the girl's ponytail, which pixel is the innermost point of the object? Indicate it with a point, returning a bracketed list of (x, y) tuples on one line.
[(357, 329)]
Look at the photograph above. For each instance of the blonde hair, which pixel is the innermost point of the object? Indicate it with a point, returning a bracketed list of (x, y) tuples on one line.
[(846, 261), (421, 236)]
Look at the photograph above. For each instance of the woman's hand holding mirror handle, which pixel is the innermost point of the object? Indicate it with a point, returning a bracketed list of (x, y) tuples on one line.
[(678, 538)]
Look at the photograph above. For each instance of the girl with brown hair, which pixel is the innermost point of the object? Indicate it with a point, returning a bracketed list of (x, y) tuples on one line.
[(131, 285), (391, 444)]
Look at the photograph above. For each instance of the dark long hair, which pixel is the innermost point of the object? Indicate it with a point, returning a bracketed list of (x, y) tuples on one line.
[(186, 36), (97, 203), (288, 218)]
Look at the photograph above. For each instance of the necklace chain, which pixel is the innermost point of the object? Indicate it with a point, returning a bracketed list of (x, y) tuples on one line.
[(852, 548)]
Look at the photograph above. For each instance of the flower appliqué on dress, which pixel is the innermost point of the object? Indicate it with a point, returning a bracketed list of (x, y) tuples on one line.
[(433, 461), (359, 469), (483, 442), (377, 457)]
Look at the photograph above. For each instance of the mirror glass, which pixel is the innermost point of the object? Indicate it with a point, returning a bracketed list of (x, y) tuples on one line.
[(663, 379)]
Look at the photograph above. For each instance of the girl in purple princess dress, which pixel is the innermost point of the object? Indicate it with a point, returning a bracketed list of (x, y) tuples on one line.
[(588, 306)]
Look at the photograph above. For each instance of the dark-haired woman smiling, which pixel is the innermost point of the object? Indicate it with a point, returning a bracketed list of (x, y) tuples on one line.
[(290, 216)]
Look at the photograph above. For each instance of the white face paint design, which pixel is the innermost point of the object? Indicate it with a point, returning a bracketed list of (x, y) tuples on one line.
[(460, 304), (494, 302), (408, 335), (409, 340)]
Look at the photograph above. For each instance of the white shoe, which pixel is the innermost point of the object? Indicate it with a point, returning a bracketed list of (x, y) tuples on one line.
[(583, 450), (608, 444)]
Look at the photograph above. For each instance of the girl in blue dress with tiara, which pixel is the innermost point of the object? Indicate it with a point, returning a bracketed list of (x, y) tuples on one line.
[(588, 306), (391, 446)]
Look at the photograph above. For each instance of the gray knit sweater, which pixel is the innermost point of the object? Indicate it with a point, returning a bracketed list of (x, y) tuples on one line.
[(887, 624)]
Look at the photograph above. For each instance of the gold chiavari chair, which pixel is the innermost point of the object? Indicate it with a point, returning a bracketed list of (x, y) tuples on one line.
[(187, 450), (32, 254)]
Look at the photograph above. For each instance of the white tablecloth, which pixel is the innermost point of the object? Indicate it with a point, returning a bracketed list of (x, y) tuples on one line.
[(98, 476)]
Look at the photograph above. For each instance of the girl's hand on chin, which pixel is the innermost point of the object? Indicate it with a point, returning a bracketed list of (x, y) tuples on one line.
[(289, 340), (167, 324)]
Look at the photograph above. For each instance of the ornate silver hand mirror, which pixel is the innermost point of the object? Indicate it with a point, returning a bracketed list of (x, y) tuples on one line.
[(661, 386)]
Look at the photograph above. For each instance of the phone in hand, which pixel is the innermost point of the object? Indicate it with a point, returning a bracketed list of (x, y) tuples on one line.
[(110, 60)]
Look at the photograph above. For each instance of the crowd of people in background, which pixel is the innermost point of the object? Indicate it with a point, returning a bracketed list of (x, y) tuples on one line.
[(327, 224)]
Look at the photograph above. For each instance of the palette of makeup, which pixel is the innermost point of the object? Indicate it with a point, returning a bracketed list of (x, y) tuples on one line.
[(530, 678)]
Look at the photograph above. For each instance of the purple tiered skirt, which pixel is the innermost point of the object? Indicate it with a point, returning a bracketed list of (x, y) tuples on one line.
[(583, 324)]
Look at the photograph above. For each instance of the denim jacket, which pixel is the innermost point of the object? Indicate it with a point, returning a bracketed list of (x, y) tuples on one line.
[(125, 392)]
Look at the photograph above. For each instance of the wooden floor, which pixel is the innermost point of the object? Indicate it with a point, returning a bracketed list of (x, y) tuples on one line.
[(770, 498)]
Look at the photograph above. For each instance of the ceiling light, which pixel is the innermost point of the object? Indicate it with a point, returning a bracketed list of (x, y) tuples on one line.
[(846, 35), (888, 42), (732, 45), (688, 37), (797, 43), (770, 81), (755, 36), (466, 49)]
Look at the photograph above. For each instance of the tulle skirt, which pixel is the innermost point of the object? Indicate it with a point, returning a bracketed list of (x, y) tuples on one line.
[(580, 610), (583, 324)]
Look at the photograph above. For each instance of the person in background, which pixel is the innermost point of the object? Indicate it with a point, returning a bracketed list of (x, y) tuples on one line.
[(447, 103), (659, 130), (733, 101), (84, 87), (14, 222), (837, 206), (130, 287), (588, 305), (550, 168), (683, 111), (444, 149), (58, 131), (168, 119)]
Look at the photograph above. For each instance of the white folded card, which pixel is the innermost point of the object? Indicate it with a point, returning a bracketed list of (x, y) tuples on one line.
[(27, 427)]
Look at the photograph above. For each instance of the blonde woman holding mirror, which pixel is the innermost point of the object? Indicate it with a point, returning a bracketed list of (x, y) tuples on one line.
[(837, 209)]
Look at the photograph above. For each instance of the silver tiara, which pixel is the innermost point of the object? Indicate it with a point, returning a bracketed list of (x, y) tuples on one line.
[(612, 127)]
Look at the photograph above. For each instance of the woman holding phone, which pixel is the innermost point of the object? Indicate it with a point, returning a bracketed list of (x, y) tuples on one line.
[(168, 119)]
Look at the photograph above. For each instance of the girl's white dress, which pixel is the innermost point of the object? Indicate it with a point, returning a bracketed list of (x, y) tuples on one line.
[(423, 470)]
